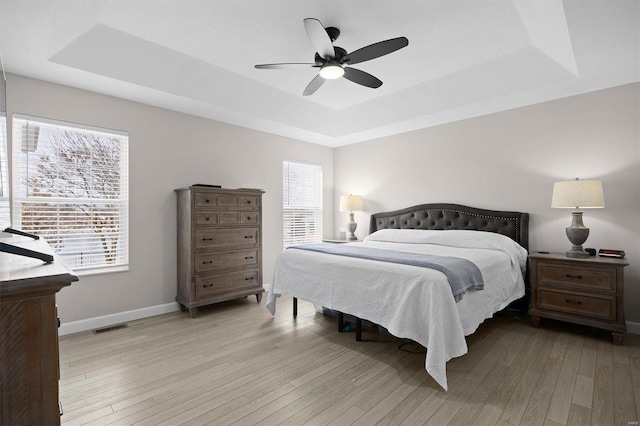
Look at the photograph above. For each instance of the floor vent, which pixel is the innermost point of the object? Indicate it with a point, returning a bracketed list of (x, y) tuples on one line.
[(114, 327)]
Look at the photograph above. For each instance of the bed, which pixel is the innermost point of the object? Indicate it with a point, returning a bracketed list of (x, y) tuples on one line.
[(412, 301)]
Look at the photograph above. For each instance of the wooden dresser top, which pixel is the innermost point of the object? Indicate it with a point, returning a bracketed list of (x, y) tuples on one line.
[(16, 269)]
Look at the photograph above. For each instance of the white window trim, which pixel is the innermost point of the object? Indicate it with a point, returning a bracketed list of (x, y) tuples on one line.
[(16, 198)]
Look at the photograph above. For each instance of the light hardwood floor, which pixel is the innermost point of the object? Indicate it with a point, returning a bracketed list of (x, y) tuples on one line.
[(235, 364)]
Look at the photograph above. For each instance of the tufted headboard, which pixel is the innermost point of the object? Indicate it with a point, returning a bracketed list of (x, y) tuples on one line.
[(515, 225)]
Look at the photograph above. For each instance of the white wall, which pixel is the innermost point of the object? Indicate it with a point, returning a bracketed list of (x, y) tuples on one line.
[(167, 150), (509, 161)]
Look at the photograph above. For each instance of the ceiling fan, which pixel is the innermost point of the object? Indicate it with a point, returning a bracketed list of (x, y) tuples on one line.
[(334, 62)]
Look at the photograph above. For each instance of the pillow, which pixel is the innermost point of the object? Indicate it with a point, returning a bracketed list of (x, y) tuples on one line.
[(418, 236)]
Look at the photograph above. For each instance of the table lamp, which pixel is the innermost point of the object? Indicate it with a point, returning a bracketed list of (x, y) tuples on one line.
[(577, 194), (350, 203)]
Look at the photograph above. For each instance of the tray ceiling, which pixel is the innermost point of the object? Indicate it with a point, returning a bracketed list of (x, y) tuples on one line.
[(464, 59)]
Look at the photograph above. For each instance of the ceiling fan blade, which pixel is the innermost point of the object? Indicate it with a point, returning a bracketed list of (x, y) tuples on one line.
[(313, 86), (285, 66), (375, 50), (319, 38), (361, 77)]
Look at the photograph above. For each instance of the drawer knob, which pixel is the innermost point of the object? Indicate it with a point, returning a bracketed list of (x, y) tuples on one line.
[(248, 236), (248, 257), (205, 262), (248, 201), (249, 279), (207, 285), (248, 217), (574, 302), (206, 201), (207, 218), (579, 277), (207, 239)]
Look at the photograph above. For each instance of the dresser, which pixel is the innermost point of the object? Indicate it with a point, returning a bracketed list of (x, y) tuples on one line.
[(219, 245), (29, 335), (588, 291)]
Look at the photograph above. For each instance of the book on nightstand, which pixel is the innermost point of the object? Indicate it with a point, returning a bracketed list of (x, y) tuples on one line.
[(618, 254)]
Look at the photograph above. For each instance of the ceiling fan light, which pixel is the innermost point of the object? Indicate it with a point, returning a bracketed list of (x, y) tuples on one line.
[(331, 72)]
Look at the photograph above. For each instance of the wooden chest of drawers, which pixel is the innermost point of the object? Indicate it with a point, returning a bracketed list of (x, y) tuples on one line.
[(29, 353), (583, 291), (219, 245)]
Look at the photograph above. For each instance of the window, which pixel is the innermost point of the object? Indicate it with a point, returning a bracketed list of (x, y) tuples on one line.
[(4, 151), (302, 203), (4, 174), (70, 186)]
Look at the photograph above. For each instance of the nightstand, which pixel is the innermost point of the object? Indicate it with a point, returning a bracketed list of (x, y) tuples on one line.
[(585, 291)]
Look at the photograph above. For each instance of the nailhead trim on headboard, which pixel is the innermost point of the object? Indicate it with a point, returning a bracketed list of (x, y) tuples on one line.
[(455, 216)]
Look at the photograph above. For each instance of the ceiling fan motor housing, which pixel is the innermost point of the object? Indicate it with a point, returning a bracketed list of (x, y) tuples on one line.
[(340, 53), (333, 32)]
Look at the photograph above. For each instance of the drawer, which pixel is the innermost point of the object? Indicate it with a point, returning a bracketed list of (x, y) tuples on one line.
[(238, 218), (583, 277), (224, 260), (211, 285), (214, 238), (239, 201), (203, 199), (206, 217), (590, 305)]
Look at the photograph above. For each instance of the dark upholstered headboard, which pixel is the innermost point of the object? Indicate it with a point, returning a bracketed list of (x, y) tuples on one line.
[(515, 225)]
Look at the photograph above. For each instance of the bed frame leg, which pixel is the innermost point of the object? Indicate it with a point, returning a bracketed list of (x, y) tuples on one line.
[(340, 322), (358, 330), (295, 307)]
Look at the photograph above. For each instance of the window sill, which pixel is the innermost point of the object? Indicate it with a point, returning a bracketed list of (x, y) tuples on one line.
[(101, 271)]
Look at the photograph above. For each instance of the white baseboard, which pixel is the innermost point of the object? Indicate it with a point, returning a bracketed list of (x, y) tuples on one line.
[(122, 317), (113, 319), (633, 327)]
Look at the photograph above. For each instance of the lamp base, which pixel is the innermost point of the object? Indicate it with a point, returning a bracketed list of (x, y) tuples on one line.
[(577, 234), (577, 254), (351, 227)]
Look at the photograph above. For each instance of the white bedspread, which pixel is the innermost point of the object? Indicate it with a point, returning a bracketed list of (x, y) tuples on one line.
[(411, 302)]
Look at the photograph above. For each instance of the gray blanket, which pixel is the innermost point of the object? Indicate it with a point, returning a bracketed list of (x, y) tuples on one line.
[(462, 274)]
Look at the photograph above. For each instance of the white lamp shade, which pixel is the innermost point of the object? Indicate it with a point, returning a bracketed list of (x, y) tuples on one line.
[(585, 194), (350, 203)]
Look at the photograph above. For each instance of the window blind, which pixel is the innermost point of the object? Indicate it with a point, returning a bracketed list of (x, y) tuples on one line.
[(302, 203), (70, 186), (5, 219)]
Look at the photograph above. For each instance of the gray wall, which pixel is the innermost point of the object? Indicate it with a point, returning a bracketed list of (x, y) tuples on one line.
[(509, 161), (167, 150)]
